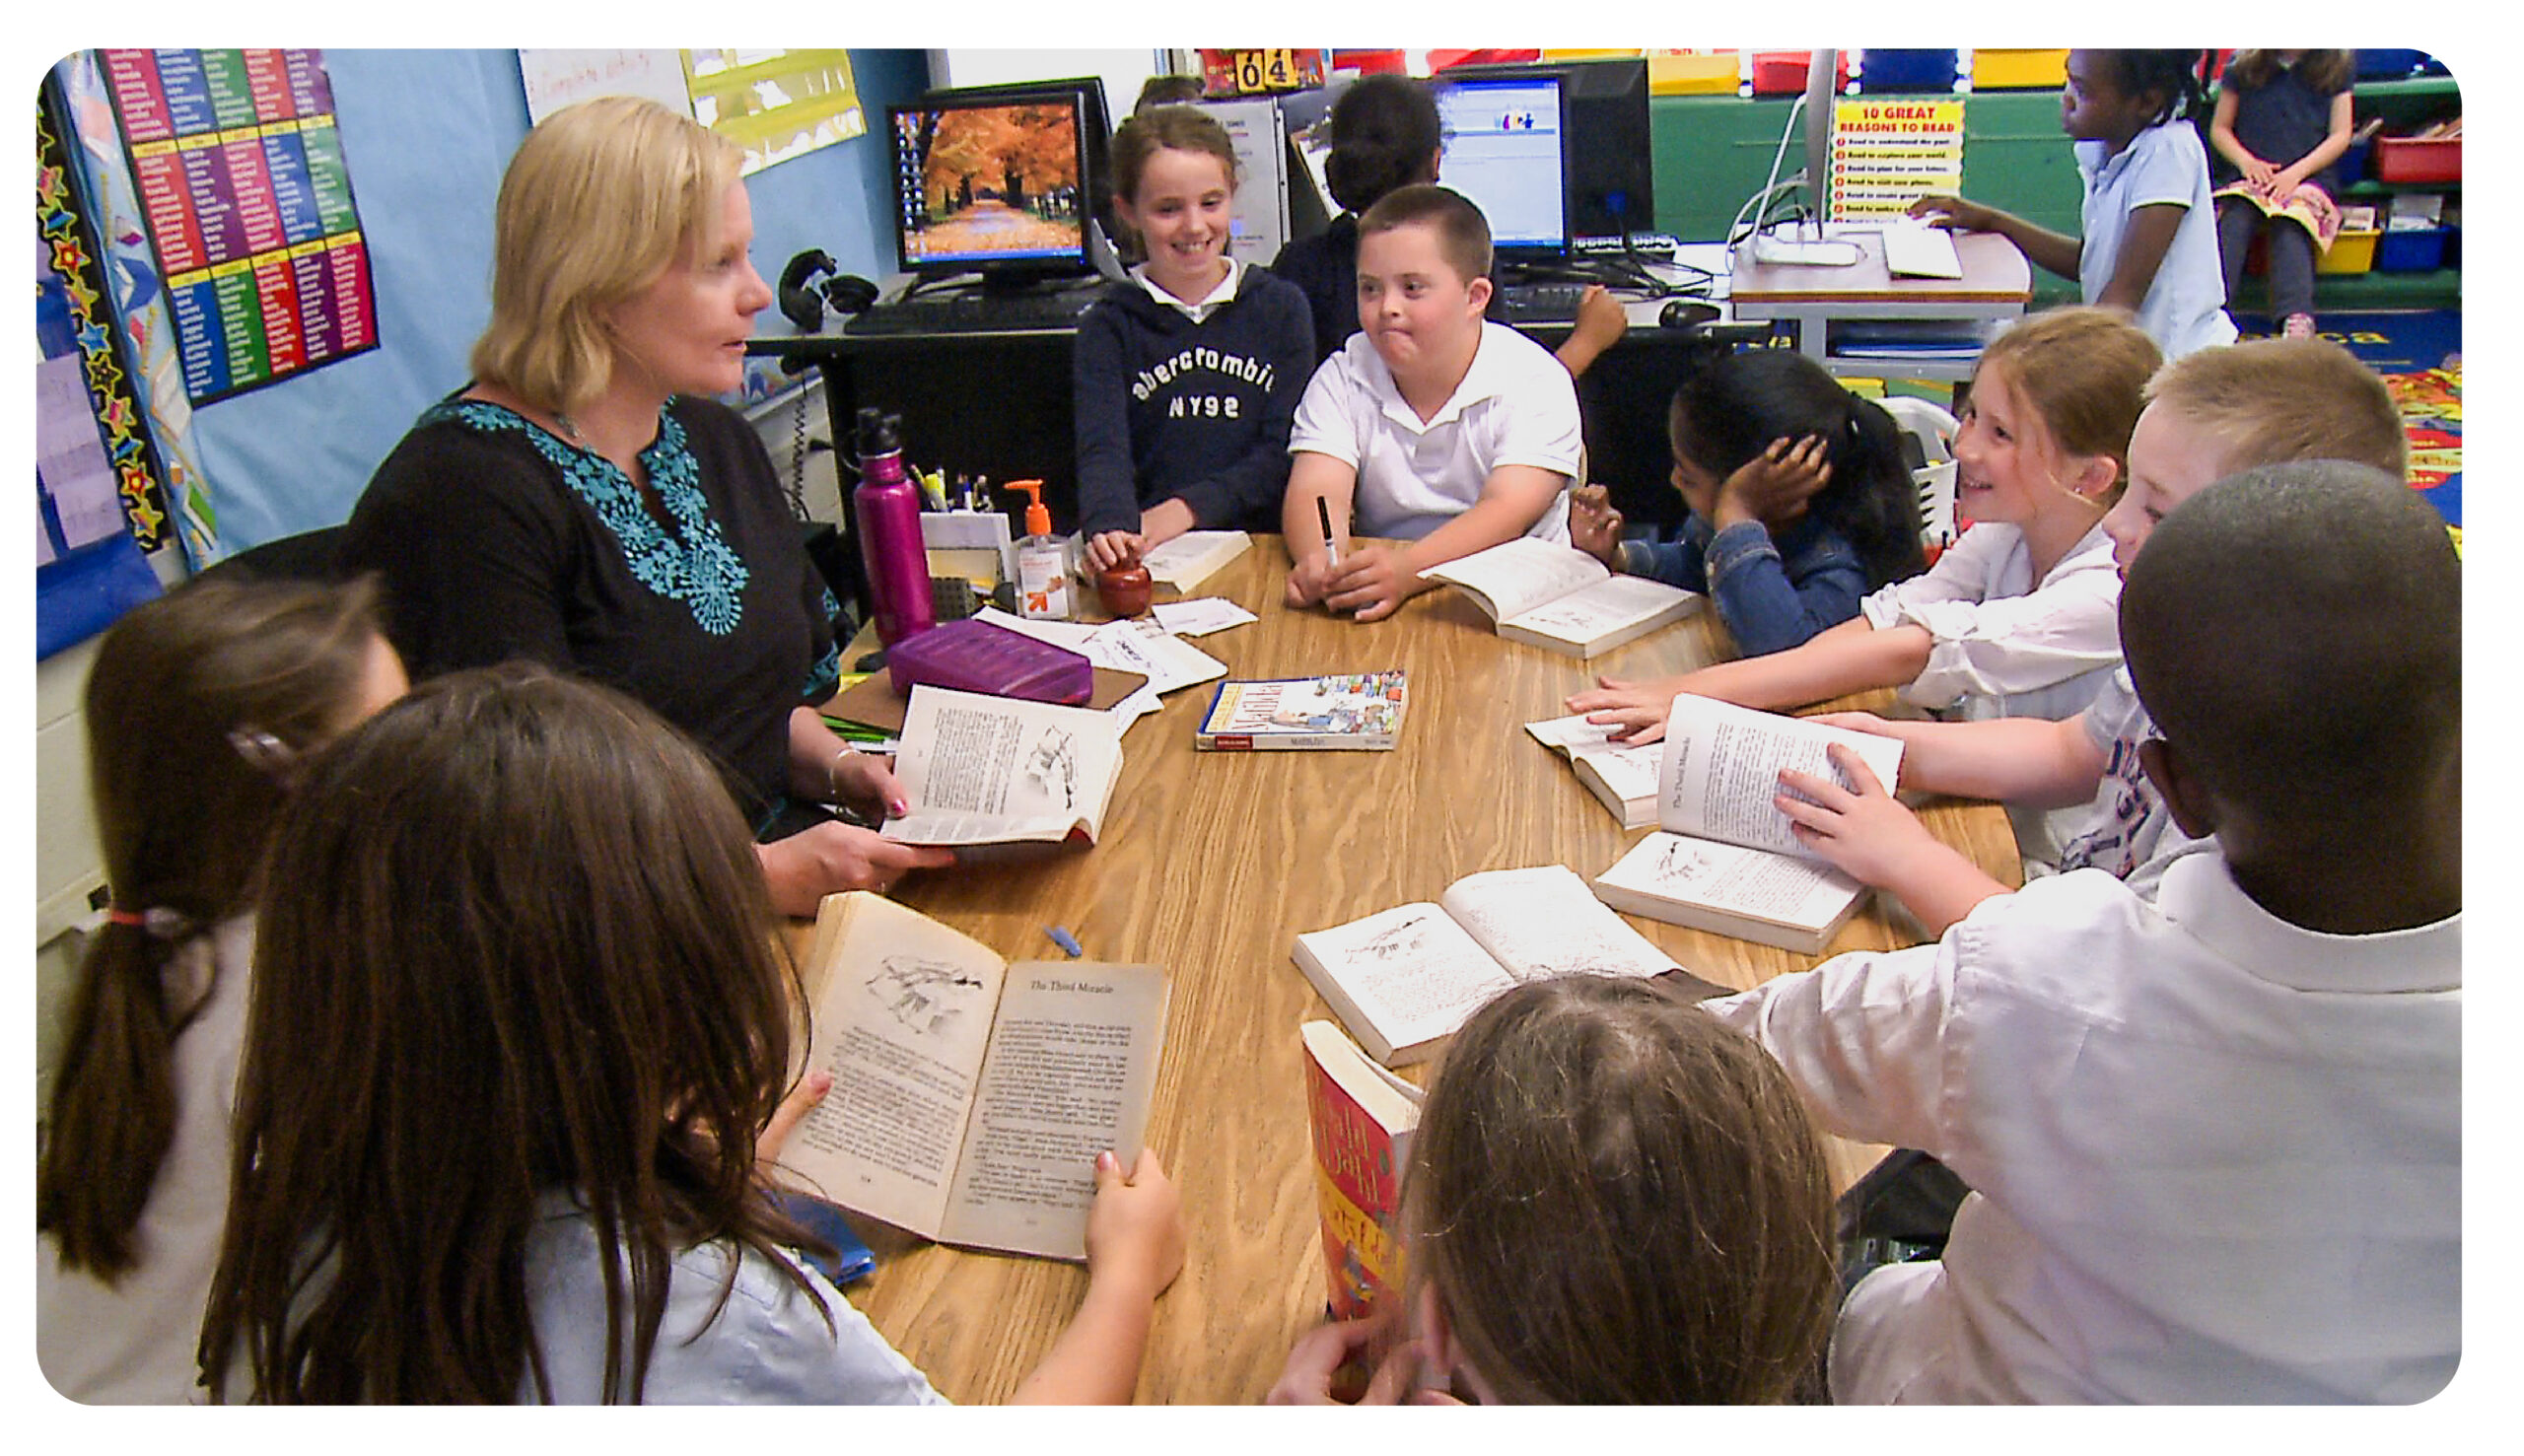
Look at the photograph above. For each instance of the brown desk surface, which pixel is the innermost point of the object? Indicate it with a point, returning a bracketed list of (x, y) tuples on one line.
[(1210, 864), (1994, 272)]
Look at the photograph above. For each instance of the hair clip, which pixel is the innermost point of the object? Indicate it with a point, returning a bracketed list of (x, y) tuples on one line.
[(263, 751), (157, 922)]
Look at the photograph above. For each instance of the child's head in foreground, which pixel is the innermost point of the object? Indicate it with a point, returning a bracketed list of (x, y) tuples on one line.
[(2296, 632), (1615, 1200), (1424, 279), (520, 906), (2216, 412)]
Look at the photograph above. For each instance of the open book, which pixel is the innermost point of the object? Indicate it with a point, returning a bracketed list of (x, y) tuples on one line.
[(1360, 1119), (1729, 862), (1550, 595), (970, 1096), (982, 770), (1622, 775), (1194, 557), (1402, 980)]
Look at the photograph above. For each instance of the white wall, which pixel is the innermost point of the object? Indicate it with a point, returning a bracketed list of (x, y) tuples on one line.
[(1124, 70)]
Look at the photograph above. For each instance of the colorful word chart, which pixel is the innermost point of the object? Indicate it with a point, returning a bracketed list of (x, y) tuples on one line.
[(1886, 151), (240, 168)]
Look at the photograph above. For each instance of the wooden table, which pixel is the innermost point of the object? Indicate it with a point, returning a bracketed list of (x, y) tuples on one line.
[(1996, 284), (1210, 864)]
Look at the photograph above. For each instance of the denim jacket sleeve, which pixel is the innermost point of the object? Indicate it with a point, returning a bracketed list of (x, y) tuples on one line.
[(1771, 602)]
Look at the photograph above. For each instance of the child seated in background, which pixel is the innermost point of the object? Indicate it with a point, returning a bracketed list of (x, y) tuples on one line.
[(1611, 1199), (2213, 1140), (199, 707), (522, 1020), (2210, 415), (2017, 615), (1384, 134), (1188, 375), (2282, 118), (1448, 431), (1799, 502)]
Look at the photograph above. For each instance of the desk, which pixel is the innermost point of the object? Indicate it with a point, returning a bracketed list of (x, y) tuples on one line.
[(1996, 284), (1210, 864)]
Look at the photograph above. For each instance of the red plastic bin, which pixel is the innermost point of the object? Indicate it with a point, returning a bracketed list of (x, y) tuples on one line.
[(1782, 72), (2410, 159)]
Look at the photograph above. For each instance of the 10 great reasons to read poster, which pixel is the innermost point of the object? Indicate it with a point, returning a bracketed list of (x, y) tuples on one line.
[(240, 168)]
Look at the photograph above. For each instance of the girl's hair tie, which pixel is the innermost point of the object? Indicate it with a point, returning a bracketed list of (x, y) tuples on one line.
[(157, 922), (266, 753)]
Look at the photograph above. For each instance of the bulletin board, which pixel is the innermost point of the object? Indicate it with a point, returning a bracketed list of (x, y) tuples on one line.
[(240, 165)]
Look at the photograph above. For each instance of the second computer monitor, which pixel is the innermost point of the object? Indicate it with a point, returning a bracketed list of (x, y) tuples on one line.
[(991, 182), (1502, 150)]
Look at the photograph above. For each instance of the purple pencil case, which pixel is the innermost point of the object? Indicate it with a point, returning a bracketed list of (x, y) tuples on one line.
[(975, 656)]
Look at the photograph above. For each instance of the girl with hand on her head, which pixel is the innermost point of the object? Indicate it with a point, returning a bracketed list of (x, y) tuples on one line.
[(1188, 375), (585, 502), (520, 906), (2017, 616), (1799, 502), (201, 706), (1612, 1200)]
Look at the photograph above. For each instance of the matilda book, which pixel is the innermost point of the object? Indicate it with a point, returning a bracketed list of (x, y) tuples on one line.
[(1550, 595), (1345, 709), (1621, 774), (970, 1096), (1402, 980), (1194, 557), (1360, 1118), (981, 770), (1726, 860)]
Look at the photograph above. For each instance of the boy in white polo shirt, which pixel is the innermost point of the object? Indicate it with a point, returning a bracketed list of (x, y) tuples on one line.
[(1430, 426)]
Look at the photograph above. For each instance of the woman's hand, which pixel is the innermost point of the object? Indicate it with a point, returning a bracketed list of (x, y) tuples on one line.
[(1134, 1227), (833, 856), (1107, 549), (1775, 484), (1595, 527), (867, 781)]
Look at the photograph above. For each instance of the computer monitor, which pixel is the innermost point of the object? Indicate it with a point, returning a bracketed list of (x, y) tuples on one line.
[(1504, 151), (1605, 152), (999, 180), (1259, 226)]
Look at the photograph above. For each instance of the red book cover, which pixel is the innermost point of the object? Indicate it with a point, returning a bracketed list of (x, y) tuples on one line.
[(1361, 1118)]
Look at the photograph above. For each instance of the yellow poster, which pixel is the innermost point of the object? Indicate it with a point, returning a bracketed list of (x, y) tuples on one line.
[(775, 103), (1886, 151)]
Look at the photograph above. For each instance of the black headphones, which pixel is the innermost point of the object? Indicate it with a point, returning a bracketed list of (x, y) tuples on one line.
[(803, 303)]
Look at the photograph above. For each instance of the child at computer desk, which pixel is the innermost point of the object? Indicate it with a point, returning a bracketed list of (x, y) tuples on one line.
[(2208, 415), (1799, 502), (1189, 372), (2213, 1140), (1431, 425), (2017, 615), (1613, 1200)]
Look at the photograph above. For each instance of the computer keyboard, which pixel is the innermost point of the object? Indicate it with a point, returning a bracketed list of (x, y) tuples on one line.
[(1540, 302), (1657, 246), (977, 313)]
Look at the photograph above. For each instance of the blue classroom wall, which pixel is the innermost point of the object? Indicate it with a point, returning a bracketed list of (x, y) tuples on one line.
[(427, 134)]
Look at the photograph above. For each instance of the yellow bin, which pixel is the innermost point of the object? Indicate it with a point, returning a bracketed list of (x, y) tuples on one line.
[(2353, 251), (1685, 75), (2018, 70)]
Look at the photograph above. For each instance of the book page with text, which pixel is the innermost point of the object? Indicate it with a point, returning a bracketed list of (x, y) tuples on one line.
[(1613, 602), (1755, 883), (1516, 577), (1628, 770), (1544, 922), (1722, 766), (1072, 1064), (986, 770), (903, 1013), (1409, 970)]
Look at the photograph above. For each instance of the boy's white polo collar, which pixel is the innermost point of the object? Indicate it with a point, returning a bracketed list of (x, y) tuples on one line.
[(1215, 300), (2199, 894), (1485, 379)]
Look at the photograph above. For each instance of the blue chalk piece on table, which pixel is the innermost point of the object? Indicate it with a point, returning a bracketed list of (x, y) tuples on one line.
[(1065, 940)]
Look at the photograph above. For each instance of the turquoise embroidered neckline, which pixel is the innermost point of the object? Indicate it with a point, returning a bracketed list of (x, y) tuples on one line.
[(693, 565)]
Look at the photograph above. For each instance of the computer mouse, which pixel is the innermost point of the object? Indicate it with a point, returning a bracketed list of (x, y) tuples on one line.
[(1687, 314)]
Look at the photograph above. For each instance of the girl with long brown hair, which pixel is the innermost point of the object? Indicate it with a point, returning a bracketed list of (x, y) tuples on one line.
[(199, 707), (522, 1020)]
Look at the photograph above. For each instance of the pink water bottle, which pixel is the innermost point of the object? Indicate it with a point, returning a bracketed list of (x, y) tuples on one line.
[(889, 507)]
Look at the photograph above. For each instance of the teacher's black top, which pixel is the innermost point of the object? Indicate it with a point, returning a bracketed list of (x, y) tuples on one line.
[(500, 540)]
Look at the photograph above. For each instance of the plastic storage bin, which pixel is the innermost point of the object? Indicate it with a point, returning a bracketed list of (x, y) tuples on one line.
[(2353, 251), (1782, 72), (2351, 166), (1691, 75), (2385, 65), (2410, 159), (1906, 70), (2411, 250), (2019, 70)]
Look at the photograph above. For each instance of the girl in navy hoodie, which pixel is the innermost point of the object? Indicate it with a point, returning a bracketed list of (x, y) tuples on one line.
[(1188, 376)]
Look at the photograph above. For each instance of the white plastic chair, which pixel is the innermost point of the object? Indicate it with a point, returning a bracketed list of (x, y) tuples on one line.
[(1926, 423), (1937, 503)]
